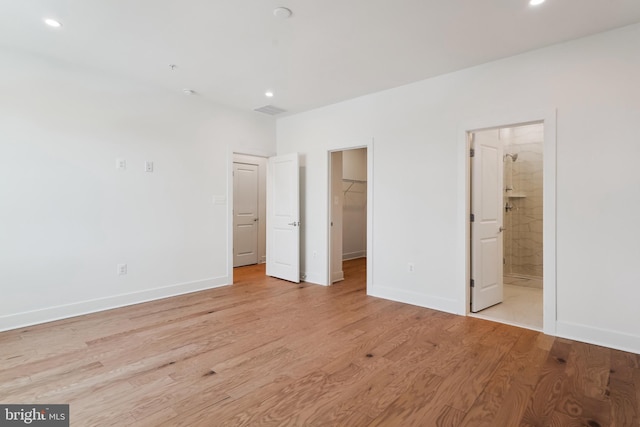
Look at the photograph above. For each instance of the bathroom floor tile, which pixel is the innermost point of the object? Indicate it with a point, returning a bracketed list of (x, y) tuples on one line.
[(522, 306)]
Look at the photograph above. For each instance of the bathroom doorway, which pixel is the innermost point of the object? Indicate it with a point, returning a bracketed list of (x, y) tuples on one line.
[(506, 225)]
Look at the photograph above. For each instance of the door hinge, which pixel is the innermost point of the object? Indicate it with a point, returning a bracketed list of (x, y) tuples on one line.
[(472, 218), (472, 152), (473, 284)]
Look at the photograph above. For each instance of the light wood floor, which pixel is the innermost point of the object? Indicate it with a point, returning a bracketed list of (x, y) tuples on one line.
[(269, 352)]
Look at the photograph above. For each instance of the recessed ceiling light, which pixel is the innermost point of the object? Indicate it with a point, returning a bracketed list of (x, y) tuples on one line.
[(52, 23), (535, 2), (268, 94), (282, 12)]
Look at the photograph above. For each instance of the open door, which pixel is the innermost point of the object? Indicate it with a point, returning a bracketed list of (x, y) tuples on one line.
[(336, 206), (487, 215), (283, 218)]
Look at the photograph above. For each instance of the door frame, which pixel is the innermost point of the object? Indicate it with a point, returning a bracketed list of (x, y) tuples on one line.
[(548, 119), (370, 253), (231, 152)]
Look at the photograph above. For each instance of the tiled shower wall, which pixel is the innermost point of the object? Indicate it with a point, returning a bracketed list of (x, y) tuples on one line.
[(523, 234)]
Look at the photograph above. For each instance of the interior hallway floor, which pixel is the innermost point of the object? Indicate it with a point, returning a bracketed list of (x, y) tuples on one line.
[(522, 306)]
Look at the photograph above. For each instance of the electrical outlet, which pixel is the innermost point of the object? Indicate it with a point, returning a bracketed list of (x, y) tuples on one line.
[(121, 164), (410, 267), (148, 166), (122, 269)]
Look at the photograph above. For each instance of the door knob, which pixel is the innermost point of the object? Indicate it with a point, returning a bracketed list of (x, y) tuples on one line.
[(502, 229), (295, 224), (255, 219)]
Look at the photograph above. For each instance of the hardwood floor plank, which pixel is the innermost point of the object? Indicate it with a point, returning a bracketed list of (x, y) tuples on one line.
[(624, 405), (585, 395), (636, 383), (499, 388), (449, 417), (522, 386), (542, 403), (413, 405), (286, 407)]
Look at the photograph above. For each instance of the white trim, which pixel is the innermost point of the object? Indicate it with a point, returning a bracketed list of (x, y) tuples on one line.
[(418, 299), (598, 336), (50, 314), (548, 118)]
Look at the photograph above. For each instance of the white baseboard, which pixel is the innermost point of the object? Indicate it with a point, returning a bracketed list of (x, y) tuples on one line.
[(603, 337), (50, 314), (421, 300), (354, 255)]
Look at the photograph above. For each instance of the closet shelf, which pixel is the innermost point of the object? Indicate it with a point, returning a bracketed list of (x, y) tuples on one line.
[(352, 182)]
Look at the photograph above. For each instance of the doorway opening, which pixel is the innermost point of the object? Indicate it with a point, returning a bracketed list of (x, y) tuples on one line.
[(249, 210), (348, 192), (507, 240)]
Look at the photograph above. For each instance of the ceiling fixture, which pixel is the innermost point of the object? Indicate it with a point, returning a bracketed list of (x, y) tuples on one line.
[(282, 12), (268, 94), (188, 92), (271, 110), (535, 2), (173, 67), (52, 23)]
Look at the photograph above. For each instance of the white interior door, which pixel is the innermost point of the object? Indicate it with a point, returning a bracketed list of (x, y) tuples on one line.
[(486, 227), (283, 218), (245, 214)]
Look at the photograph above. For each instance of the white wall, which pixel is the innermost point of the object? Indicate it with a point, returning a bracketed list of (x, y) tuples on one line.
[(416, 167), (68, 217)]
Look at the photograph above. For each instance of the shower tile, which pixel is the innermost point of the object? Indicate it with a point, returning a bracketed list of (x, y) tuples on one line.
[(523, 242)]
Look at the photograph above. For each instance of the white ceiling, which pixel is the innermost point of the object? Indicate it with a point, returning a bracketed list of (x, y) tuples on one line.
[(232, 51)]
